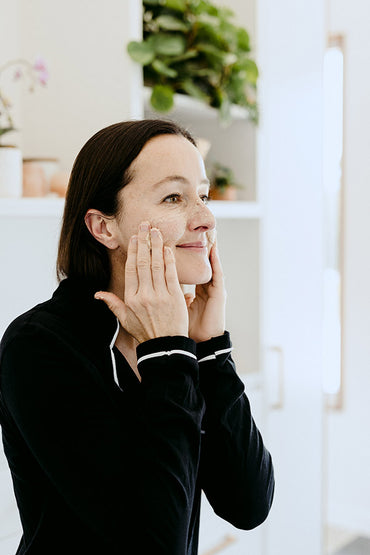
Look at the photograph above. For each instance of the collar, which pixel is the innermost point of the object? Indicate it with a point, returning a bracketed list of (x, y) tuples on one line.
[(87, 317)]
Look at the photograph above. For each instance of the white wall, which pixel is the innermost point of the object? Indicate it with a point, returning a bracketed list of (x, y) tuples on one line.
[(348, 435), (9, 50), (92, 79), (92, 83)]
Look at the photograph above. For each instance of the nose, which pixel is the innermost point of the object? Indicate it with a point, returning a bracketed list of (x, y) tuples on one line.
[(201, 218)]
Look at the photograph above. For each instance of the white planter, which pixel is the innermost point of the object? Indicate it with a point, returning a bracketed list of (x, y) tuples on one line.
[(10, 171)]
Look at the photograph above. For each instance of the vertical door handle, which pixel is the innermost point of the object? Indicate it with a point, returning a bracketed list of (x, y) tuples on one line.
[(274, 377)]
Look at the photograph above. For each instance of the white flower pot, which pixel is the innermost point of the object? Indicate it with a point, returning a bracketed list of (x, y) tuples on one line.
[(10, 171)]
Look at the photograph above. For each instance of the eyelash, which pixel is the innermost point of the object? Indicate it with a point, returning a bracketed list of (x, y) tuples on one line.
[(205, 198)]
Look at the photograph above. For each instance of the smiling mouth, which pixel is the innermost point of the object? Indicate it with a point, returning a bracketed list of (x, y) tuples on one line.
[(193, 246)]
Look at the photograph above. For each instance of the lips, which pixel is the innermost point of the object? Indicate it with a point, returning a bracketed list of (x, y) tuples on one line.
[(196, 245)]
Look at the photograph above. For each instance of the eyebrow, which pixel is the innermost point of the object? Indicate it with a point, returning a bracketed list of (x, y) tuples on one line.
[(179, 178)]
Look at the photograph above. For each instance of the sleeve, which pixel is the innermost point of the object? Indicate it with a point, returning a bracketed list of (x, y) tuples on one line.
[(236, 469), (129, 476)]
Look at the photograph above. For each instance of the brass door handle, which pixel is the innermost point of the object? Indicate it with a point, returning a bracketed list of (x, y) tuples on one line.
[(223, 544)]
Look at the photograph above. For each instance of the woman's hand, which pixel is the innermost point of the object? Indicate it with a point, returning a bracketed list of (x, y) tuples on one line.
[(207, 309), (153, 304)]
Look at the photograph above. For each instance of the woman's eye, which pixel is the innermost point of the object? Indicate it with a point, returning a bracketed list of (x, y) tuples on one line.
[(205, 198), (172, 199)]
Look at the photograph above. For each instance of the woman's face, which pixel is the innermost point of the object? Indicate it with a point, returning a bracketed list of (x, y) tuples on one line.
[(169, 188)]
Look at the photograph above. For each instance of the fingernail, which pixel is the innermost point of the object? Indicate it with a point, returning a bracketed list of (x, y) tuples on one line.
[(134, 239), (98, 297), (155, 232), (144, 226)]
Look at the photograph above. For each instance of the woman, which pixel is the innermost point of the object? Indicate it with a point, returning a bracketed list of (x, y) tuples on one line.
[(119, 397)]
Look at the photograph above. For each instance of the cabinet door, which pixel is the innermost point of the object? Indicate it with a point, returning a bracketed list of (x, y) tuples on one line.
[(291, 45)]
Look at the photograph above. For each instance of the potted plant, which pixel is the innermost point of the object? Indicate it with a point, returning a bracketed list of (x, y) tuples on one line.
[(193, 47), (10, 154), (223, 183)]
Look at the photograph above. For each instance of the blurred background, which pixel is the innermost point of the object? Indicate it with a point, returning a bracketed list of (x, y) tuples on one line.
[(292, 232)]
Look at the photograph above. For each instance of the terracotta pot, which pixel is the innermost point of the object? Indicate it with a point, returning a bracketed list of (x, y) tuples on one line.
[(35, 183), (59, 183), (50, 166), (10, 171), (227, 193)]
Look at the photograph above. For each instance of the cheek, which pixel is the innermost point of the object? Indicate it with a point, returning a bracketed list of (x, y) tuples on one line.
[(172, 228)]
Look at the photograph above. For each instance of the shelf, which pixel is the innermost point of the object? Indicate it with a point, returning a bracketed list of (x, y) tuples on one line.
[(53, 206), (32, 207), (186, 105)]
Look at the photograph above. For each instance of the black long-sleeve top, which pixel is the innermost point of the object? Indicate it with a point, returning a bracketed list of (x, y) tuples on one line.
[(102, 463)]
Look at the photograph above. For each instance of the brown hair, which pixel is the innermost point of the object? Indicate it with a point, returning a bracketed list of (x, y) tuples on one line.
[(100, 171)]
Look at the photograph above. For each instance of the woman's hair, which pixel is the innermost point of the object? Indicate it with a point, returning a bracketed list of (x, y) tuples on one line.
[(100, 171)]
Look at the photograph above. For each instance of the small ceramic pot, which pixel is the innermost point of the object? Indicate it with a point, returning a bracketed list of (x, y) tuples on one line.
[(34, 180), (10, 171), (227, 193)]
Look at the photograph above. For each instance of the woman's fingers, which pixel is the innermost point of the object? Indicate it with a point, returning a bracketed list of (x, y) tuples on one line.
[(114, 304), (159, 283), (131, 277), (172, 280), (217, 273), (143, 261)]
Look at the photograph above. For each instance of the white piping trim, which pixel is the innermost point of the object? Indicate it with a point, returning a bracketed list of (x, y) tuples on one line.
[(168, 353), (213, 357), (209, 357), (111, 345), (223, 351)]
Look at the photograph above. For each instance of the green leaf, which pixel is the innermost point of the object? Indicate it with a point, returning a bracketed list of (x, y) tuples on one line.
[(225, 13), (177, 5), (211, 49), (153, 2), (243, 39), (193, 90), (168, 45), (161, 68), (171, 23), (251, 71), (199, 7), (141, 52), (162, 98), (4, 130), (186, 56)]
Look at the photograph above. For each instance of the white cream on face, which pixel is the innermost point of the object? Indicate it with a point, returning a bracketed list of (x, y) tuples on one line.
[(181, 219)]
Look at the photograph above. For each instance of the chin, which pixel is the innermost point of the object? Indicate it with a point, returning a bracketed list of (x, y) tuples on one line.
[(194, 276)]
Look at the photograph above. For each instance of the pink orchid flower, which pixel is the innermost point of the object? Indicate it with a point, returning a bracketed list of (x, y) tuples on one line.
[(40, 64), (18, 74), (40, 67)]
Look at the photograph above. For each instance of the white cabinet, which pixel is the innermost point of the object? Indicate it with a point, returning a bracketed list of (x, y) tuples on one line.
[(271, 247), (290, 50)]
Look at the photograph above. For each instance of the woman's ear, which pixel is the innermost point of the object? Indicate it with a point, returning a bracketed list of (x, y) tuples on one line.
[(102, 228)]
